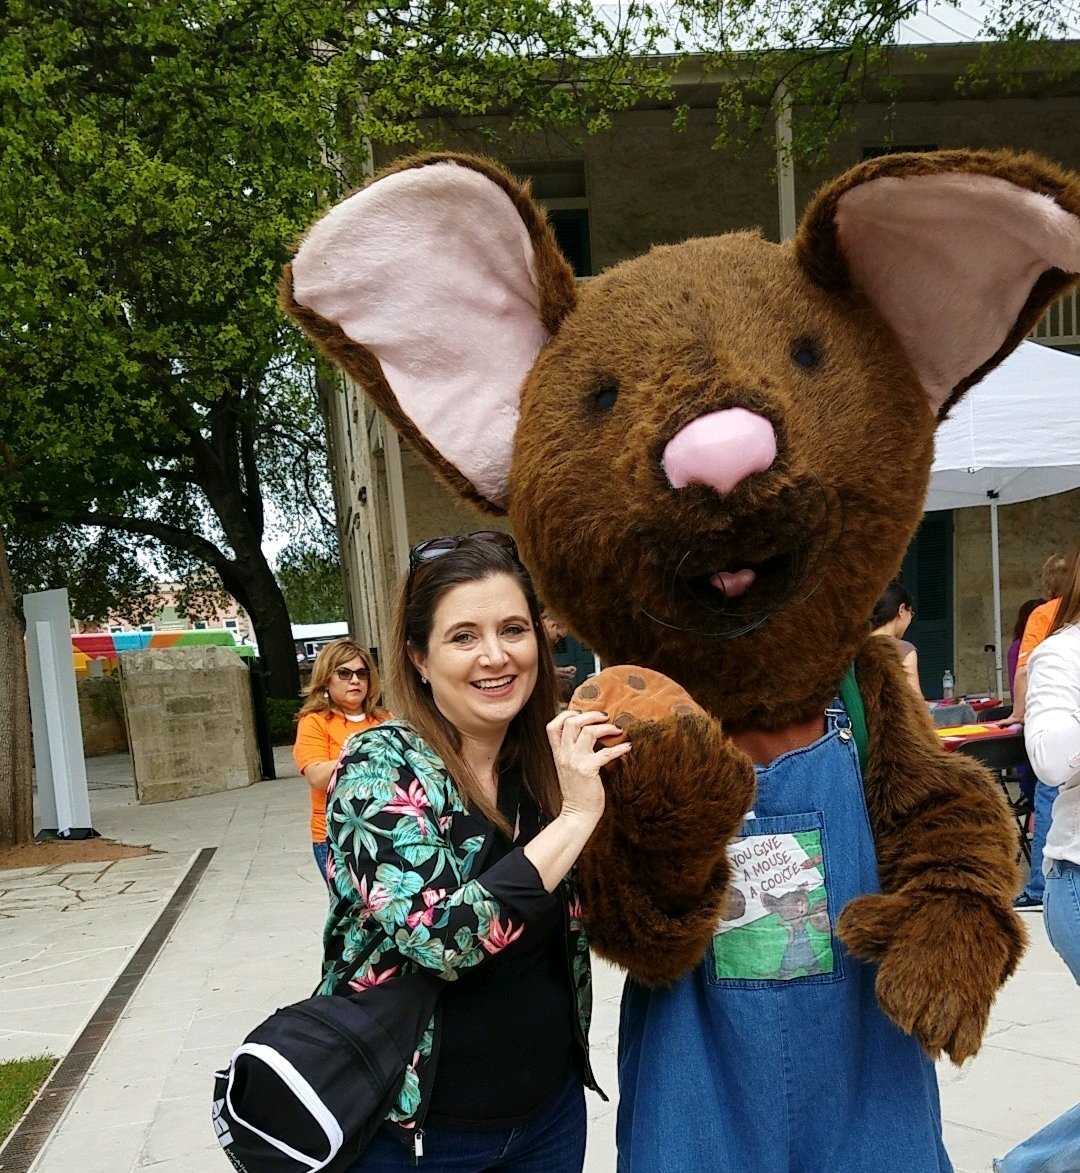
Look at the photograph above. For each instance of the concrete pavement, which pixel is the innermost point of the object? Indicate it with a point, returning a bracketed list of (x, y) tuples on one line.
[(248, 941)]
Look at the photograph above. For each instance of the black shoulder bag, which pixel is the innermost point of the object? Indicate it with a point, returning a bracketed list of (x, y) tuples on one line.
[(310, 1086)]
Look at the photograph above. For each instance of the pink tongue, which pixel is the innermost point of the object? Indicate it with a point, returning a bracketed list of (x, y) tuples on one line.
[(733, 584)]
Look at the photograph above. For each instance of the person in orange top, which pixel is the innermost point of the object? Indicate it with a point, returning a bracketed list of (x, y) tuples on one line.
[(342, 698)]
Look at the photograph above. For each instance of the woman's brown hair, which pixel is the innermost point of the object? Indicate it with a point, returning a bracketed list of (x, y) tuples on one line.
[(526, 743), (331, 657), (1023, 615), (1069, 608)]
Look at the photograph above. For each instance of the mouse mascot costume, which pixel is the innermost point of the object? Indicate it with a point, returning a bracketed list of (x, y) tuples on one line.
[(714, 457)]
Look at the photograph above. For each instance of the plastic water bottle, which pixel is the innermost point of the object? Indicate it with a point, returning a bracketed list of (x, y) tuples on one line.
[(947, 685)]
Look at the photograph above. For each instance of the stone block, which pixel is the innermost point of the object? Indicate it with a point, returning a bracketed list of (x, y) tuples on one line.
[(1029, 533), (101, 716), (190, 722)]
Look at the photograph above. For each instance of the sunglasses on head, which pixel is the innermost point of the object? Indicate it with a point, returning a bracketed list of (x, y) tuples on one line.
[(347, 674), (436, 547)]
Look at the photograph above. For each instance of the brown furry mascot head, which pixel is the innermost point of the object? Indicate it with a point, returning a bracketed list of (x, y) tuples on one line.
[(713, 455)]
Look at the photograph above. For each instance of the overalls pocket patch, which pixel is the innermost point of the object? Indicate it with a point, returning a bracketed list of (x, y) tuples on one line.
[(777, 925)]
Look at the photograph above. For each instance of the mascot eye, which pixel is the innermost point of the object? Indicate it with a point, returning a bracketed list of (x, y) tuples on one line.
[(806, 353), (604, 393)]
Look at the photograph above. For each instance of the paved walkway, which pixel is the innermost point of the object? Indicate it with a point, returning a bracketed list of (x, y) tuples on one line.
[(248, 942)]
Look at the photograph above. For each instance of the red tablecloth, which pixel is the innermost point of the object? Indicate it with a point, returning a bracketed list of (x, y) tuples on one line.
[(954, 735)]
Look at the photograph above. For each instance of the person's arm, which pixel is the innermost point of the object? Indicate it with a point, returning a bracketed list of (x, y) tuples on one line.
[(392, 833), (1052, 729), (578, 760), (1035, 630), (1020, 688), (313, 754), (911, 671), (1019, 698), (318, 774)]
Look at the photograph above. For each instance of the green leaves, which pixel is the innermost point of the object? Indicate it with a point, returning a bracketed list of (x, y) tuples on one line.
[(155, 174), (401, 887), (311, 582), (418, 945)]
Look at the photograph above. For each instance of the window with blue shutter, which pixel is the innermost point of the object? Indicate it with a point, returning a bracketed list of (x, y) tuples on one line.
[(927, 571)]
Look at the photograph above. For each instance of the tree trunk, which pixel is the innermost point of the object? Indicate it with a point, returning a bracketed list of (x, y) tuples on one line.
[(252, 583), (247, 575), (16, 780)]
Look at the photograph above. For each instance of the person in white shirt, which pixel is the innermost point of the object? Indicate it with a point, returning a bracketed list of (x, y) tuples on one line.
[(1052, 738)]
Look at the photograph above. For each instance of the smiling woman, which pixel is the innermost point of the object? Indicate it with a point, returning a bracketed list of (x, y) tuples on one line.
[(452, 835)]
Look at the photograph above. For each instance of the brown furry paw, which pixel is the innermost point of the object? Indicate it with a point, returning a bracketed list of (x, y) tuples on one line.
[(942, 958), (654, 876), (683, 786)]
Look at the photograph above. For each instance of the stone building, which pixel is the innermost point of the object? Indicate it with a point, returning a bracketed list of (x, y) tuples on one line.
[(644, 183)]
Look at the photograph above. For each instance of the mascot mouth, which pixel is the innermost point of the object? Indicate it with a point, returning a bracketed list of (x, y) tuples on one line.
[(734, 579), (726, 584)]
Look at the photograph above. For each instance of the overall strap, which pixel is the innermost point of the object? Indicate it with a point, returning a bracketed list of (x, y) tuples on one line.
[(852, 698)]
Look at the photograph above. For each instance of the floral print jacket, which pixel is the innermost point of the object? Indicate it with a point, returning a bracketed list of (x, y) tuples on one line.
[(409, 893)]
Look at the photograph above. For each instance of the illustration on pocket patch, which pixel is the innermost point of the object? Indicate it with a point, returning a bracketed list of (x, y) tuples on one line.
[(776, 923)]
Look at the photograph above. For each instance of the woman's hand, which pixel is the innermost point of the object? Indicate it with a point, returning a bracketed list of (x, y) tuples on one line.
[(578, 760)]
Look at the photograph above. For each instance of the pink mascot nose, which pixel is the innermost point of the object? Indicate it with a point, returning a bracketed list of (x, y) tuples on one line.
[(720, 450)]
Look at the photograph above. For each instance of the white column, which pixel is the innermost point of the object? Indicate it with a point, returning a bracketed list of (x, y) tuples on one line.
[(63, 799), (395, 490), (995, 555), (785, 167)]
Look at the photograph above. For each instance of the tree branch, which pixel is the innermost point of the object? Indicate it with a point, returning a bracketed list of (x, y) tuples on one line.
[(170, 535)]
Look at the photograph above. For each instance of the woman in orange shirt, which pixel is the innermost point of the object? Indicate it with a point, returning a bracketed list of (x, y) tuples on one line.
[(342, 699)]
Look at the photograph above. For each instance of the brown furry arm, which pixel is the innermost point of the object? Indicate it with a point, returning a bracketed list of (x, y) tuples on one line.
[(943, 929), (655, 874)]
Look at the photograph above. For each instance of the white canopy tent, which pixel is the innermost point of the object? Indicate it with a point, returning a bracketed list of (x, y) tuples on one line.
[(1014, 437)]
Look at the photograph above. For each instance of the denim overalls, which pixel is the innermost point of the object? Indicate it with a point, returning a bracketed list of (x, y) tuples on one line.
[(772, 1056)]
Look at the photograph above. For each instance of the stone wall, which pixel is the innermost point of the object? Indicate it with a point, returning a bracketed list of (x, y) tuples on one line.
[(1028, 534), (433, 508), (190, 722), (101, 715)]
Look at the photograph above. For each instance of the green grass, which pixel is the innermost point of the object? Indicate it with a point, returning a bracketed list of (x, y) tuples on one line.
[(19, 1080)]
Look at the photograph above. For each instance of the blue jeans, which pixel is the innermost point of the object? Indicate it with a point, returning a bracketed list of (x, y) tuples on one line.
[(552, 1143), (1055, 1148), (1061, 913), (322, 854), (1044, 803)]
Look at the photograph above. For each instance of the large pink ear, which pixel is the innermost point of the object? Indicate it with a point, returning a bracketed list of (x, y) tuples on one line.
[(436, 287), (960, 252)]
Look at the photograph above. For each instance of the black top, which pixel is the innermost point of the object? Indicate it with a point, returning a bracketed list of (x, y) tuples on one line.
[(507, 1041)]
